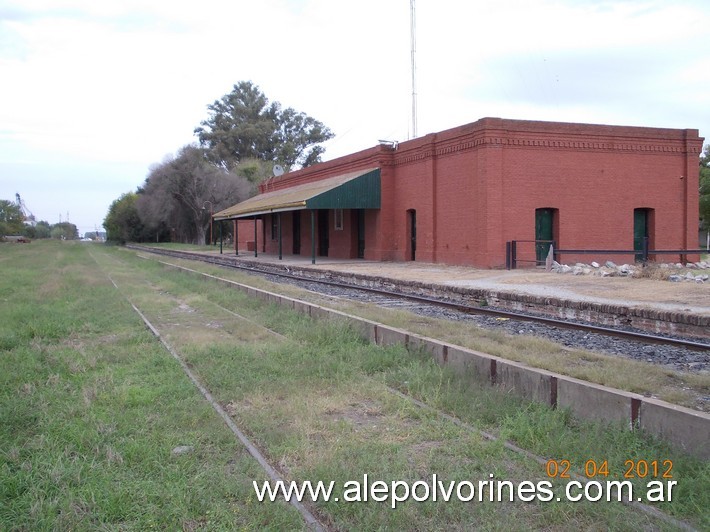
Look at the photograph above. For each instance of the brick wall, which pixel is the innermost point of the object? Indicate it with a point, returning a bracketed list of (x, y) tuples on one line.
[(245, 234), (477, 186), (491, 176)]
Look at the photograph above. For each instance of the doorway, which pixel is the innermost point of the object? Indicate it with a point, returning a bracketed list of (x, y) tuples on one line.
[(544, 230), (296, 229), (412, 234), (360, 223), (642, 218), (323, 233)]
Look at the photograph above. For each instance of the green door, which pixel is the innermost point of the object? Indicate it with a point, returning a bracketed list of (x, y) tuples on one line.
[(640, 231), (544, 221)]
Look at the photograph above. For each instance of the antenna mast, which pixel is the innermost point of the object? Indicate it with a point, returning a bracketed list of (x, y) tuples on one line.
[(29, 218), (413, 29)]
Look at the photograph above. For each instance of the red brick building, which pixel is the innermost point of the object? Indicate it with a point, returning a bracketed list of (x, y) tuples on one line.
[(458, 196)]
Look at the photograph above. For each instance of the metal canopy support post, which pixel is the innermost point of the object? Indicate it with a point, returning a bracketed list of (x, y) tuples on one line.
[(256, 252), (220, 237), (279, 222), (313, 236), (236, 237)]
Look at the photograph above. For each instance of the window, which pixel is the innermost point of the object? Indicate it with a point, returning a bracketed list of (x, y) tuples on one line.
[(338, 219)]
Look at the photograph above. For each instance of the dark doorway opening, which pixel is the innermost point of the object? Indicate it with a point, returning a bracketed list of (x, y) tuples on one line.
[(296, 226), (412, 236), (323, 233), (360, 215)]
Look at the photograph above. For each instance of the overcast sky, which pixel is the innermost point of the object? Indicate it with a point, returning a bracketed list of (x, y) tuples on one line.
[(93, 92)]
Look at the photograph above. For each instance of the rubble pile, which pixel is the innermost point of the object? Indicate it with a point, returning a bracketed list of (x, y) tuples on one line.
[(690, 272)]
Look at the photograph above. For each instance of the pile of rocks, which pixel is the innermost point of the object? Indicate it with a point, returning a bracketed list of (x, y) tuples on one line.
[(672, 272)]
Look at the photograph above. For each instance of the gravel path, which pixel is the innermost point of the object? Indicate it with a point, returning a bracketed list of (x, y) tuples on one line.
[(676, 358)]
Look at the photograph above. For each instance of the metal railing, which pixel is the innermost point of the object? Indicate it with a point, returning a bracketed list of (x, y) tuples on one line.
[(641, 255)]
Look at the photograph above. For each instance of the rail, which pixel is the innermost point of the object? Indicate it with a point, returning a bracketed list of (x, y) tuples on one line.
[(470, 309)]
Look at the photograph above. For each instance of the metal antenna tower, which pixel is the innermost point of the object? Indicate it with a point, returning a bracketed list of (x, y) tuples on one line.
[(413, 29)]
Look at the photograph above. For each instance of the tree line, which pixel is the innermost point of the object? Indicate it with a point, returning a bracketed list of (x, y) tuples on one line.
[(705, 190), (237, 145), (12, 222)]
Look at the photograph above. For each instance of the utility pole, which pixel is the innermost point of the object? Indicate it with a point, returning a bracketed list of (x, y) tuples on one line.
[(413, 29)]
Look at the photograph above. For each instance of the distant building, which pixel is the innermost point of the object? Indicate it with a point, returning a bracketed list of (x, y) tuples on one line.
[(459, 195), (96, 235)]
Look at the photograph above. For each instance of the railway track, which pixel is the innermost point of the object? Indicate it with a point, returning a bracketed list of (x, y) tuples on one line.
[(393, 299), (313, 520)]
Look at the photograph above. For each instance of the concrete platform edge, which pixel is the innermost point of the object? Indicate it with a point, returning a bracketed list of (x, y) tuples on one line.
[(686, 429), (649, 319)]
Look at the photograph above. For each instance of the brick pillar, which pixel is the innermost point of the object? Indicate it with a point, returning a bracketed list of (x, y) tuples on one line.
[(491, 179), (380, 225), (693, 147)]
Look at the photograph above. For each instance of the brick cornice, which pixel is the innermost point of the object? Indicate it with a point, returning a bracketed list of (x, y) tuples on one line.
[(496, 139)]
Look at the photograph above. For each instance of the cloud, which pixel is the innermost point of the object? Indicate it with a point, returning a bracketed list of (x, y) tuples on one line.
[(117, 84)]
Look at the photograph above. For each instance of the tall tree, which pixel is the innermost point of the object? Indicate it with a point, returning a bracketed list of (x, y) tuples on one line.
[(11, 218), (243, 125), (705, 188), (182, 192), (254, 170), (122, 222)]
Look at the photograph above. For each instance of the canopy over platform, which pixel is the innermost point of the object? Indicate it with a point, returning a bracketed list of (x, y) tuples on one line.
[(354, 190)]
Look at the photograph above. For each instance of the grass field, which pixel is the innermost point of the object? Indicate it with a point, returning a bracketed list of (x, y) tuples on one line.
[(92, 405)]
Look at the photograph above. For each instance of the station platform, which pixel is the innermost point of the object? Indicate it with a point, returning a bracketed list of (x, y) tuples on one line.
[(535, 283)]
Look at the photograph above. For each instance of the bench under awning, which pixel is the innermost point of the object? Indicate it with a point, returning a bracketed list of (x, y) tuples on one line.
[(354, 190)]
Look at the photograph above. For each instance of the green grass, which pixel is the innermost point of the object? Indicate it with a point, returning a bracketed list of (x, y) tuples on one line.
[(92, 406)]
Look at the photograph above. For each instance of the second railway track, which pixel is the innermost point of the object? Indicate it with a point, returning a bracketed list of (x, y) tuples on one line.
[(678, 353)]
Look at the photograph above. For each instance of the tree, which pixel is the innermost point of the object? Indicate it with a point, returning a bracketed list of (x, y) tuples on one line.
[(181, 192), (244, 125), (295, 133), (705, 188), (30, 232), (11, 218), (122, 222), (42, 229), (254, 170), (64, 231)]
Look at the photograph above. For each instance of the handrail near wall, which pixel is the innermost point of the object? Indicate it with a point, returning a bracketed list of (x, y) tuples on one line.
[(512, 260)]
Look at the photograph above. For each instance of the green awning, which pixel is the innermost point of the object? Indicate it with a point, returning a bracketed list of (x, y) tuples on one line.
[(354, 190)]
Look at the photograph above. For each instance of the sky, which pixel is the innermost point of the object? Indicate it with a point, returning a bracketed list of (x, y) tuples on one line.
[(92, 93)]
